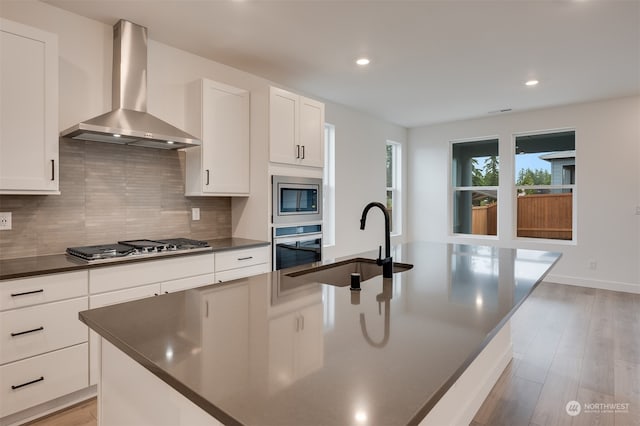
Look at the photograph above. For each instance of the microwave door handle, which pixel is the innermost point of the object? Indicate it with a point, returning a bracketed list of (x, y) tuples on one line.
[(298, 199)]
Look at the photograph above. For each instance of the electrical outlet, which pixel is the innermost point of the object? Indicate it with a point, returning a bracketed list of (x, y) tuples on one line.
[(593, 265), (195, 213), (5, 221), (638, 210)]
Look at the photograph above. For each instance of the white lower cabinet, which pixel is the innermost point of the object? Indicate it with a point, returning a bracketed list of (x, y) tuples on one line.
[(39, 329), (43, 344), (38, 379), (242, 263), (123, 283), (117, 277)]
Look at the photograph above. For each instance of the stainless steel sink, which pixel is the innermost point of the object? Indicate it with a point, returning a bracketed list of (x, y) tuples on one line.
[(339, 273)]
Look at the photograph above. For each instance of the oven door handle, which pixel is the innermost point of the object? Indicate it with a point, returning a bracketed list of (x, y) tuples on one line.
[(296, 238)]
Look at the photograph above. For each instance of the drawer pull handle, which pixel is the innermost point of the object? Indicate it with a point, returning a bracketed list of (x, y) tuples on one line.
[(20, 333), (27, 292), (245, 258), (28, 383)]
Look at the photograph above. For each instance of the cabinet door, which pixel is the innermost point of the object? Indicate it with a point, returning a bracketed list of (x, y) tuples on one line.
[(284, 146), (28, 110), (225, 139), (311, 132)]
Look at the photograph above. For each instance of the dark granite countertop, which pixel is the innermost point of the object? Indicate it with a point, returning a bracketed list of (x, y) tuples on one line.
[(277, 350), (40, 265)]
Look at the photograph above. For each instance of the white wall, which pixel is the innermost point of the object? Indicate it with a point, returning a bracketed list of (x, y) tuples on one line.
[(360, 177), (607, 178)]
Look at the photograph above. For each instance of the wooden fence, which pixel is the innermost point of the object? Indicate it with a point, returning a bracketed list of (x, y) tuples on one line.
[(539, 216), (484, 220)]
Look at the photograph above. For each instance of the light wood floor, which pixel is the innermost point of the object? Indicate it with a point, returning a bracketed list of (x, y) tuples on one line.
[(82, 414), (570, 343)]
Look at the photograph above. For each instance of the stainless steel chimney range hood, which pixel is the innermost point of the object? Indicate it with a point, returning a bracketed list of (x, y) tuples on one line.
[(129, 123)]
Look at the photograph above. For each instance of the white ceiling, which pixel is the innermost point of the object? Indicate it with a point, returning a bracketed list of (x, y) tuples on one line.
[(431, 61)]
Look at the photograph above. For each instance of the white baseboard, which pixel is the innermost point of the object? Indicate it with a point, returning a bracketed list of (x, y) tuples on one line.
[(602, 285), (462, 401)]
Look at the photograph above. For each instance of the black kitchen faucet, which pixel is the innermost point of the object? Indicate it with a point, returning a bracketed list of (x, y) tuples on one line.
[(387, 262)]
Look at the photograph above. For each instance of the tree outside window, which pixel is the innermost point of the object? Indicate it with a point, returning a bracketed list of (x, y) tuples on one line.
[(394, 193)]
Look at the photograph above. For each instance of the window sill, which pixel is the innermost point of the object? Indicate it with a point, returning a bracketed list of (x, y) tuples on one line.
[(545, 241)]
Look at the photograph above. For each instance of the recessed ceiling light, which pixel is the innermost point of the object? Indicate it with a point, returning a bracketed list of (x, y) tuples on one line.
[(532, 82), (115, 135), (170, 142), (363, 61)]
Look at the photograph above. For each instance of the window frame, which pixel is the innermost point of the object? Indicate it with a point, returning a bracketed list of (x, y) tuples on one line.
[(515, 188), (396, 188), (453, 189), (329, 187)]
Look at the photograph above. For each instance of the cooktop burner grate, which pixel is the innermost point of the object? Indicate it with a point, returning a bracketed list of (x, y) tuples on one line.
[(142, 247)]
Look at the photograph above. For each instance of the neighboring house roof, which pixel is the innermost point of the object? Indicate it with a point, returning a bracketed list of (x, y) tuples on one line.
[(559, 154)]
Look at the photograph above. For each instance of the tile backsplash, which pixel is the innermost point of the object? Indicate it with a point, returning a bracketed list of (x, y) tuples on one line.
[(110, 193)]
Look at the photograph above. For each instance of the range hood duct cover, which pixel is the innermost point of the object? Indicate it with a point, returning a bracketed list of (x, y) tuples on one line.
[(129, 123)]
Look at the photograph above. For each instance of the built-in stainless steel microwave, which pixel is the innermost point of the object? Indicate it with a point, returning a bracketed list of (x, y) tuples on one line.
[(296, 200)]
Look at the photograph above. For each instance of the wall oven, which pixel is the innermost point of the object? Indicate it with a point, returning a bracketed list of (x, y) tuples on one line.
[(296, 245), (296, 200)]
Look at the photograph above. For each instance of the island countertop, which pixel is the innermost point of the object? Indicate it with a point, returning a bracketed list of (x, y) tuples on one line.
[(277, 350)]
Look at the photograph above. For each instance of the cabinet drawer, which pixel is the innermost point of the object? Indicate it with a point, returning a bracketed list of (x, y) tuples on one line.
[(121, 296), (41, 289), (33, 381), (187, 283), (233, 259), (31, 331), (234, 274), (111, 278)]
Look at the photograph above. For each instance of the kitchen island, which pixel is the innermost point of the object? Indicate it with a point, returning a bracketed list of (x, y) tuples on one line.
[(283, 348)]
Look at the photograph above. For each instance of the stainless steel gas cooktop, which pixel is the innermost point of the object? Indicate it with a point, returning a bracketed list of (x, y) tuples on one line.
[(138, 248)]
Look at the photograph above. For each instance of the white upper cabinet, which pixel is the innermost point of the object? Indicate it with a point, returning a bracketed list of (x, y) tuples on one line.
[(28, 110), (296, 129), (220, 115)]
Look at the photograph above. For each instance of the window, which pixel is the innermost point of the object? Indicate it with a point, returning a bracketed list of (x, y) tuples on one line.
[(475, 179), (545, 185), (394, 186), (329, 186)]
